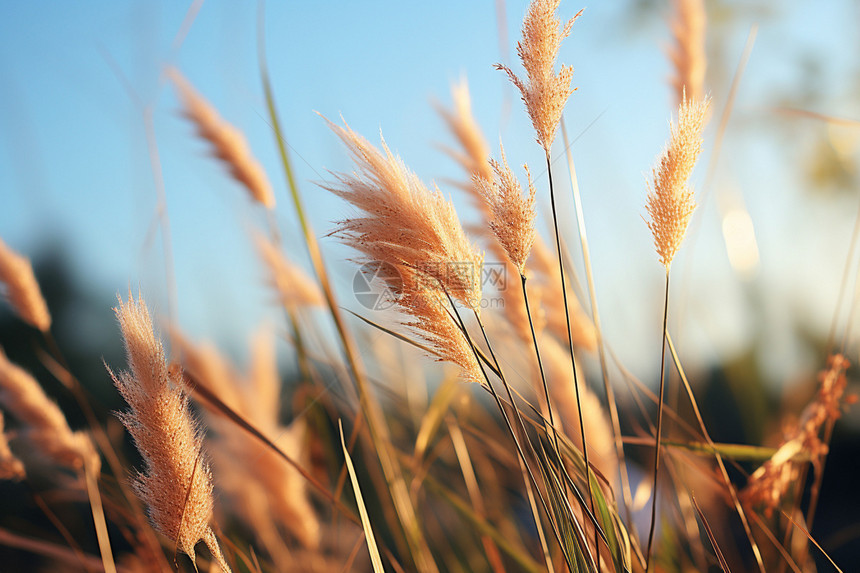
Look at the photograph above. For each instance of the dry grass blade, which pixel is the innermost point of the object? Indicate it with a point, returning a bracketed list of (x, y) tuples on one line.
[(723, 565), (375, 558), (812, 539)]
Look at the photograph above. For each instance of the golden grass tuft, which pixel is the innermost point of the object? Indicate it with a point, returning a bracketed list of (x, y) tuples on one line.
[(405, 224), (512, 215), (544, 92), (22, 289), (688, 53), (176, 484), (45, 426), (670, 200), (228, 143)]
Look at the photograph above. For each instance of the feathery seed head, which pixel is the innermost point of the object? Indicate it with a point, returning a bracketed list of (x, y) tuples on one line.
[(295, 288), (544, 92), (45, 425), (403, 223), (688, 53), (176, 483), (512, 216), (461, 122), (670, 201), (22, 290), (228, 143)]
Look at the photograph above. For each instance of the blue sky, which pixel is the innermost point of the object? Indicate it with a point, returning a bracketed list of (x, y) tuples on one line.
[(74, 164)]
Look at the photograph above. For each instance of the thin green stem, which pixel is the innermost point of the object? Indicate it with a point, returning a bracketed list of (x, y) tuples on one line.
[(521, 455), (569, 337), (540, 367), (659, 426), (601, 349)]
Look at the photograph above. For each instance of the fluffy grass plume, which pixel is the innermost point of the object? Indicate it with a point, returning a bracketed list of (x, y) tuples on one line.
[(176, 484), (512, 215), (294, 287), (44, 425), (670, 200), (475, 152), (228, 143), (544, 92), (403, 223), (22, 290), (688, 53)]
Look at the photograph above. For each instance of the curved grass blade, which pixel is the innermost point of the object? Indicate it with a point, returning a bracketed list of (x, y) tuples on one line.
[(375, 558)]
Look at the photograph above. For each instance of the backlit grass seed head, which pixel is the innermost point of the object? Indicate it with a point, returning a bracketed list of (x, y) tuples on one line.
[(688, 53), (403, 223), (431, 319), (769, 484), (460, 121), (544, 92), (22, 290), (228, 143), (512, 215), (44, 425), (176, 483), (670, 200), (295, 288)]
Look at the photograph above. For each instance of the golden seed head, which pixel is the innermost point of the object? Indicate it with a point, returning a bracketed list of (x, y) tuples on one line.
[(544, 92), (670, 201), (688, 53), (176, 483), (512, 215), (22, 289), (228, 143)]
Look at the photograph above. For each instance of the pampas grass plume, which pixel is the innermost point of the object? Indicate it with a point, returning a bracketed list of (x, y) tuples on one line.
[(688, 53), (544, 92), (45, 425), (403, 223), (295, 288), (22, 290), (670, 200), (176, 484), (228, 143), (512, 219)]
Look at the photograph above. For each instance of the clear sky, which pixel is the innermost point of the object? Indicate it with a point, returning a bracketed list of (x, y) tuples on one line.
[(75, 170)]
